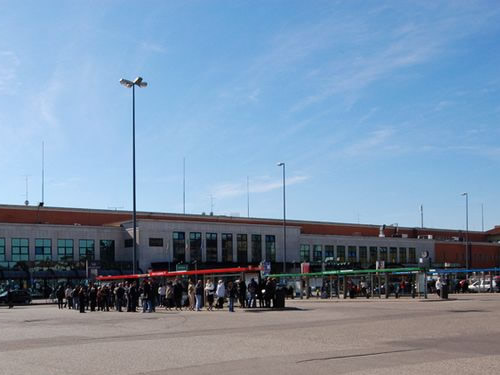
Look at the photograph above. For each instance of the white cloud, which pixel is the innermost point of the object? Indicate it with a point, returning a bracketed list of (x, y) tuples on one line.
[(375, 141), (258, 185), (9, 62), (46, 102), (153, 47)]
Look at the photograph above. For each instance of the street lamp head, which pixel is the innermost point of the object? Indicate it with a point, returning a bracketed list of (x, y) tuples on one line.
[(280, 164), (126, 83), (138, 82), (464, 194)]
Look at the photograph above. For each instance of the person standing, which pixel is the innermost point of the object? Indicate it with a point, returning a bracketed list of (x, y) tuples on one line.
[(146, 301), (178, 289), (242, 293), (209, 292), (81, 299), (120, 292), (69, 297), (60, 297), (439, 286), (132, 298), (93, 297), (162, 292), (220, 293), (268, 293), (199, 295), (75, 296), (191, 296), (10, 298), (169, 296), (231, 292), (252, 291)]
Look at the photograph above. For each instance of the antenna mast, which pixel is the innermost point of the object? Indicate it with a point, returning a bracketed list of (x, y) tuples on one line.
[(43, 172), (26, 202), (184, 185)]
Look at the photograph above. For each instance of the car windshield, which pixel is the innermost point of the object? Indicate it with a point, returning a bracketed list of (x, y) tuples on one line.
[(3, 294)]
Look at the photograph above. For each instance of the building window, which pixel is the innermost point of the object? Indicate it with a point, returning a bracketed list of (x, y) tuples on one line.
[(86, 249), (402, 255), (227, 247), (107, 248), (270, 248), (129, 242), (20, 249), (242, 248), (195, 246), (373, 254), (65, 250), (383, 253), (179, 247), (156, 242), (329, 252), (393, 254), (341, 253), (256, 248), (305, 253), (363, 255), (351, 254), (317, 253), (2, 249), (211, 247), (43, 249), (412, 257)]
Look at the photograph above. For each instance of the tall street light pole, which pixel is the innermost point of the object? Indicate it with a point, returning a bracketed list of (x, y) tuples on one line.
[(282, 164), (466, 229), (131, 84)]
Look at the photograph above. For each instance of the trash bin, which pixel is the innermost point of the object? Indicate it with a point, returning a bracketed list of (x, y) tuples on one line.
[(444, 291), (280, 297), (352, 292)]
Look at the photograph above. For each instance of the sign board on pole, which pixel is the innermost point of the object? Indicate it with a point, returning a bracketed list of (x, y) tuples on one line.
[(266, 269), (305, 267), (92, 268), (181, 267)]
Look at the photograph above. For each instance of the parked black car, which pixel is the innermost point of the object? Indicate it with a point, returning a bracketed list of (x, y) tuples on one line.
[(18, 297)]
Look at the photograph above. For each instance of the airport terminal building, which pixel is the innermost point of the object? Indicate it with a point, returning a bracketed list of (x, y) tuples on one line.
[(48, 243)]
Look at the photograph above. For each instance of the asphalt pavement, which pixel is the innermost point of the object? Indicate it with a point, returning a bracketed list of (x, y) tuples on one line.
[(403, 336)]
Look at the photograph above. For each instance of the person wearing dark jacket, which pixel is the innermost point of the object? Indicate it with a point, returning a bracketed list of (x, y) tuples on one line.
[(199, 295), (242, 293), (60, 297), (268, 293), (178, 289), (81, 299), (120, 293), (10, 299), (132, 298), (146, 300), (231, 292), (93, 297), (252, 291)]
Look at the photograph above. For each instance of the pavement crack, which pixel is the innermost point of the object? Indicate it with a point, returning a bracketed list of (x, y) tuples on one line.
[(356, 355)]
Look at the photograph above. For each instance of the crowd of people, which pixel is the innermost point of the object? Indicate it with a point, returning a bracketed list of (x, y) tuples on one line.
[(176, 295)]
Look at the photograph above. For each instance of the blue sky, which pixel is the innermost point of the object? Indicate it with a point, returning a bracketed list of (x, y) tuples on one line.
[(376, 107)]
